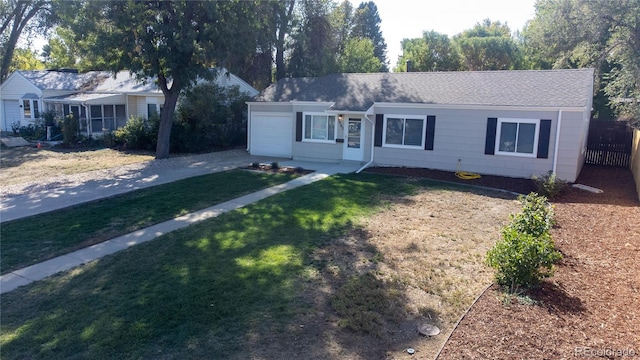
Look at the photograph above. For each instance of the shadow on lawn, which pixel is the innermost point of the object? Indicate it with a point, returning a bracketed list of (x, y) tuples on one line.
[(228, 288)]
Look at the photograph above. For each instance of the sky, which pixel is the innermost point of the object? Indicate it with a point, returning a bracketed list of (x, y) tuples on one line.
[(409, 18)]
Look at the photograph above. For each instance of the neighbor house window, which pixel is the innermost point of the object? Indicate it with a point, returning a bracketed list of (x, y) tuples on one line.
[(404, 131), (319, 127), (517, 137), (30, 109), (152, 110), (107, 117)]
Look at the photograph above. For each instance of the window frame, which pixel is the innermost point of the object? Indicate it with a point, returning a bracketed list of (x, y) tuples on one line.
[(518, 121), (323, 141), (33, 106), (404, 117)]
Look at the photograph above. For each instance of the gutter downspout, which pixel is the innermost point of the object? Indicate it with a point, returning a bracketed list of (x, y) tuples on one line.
[(555, 150), (373, 134), (248, 128)]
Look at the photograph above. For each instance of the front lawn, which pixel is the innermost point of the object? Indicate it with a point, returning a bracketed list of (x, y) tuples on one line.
[(37, 238), (257, 282)]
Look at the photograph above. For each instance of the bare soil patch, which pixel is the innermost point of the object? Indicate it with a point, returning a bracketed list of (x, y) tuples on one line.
[(591, 307)]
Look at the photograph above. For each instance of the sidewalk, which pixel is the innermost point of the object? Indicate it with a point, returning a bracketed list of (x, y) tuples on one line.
[(15, 279)]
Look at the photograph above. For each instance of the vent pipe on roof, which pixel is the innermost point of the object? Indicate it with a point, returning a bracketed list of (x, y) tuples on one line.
[(409, 66), (65, 70)]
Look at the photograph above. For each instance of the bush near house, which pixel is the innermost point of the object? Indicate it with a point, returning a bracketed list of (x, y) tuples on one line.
[(209, 117), (138, 133), (526, 253)]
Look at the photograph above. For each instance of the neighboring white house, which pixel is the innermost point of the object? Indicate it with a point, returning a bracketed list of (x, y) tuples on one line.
[(507, 123), (102, 100)]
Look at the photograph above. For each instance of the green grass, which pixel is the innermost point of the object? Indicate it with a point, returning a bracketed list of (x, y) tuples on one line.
[(37, 238), (201, 292)]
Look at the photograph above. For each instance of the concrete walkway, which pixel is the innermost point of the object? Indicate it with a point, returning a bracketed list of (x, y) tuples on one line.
[(50, 267)]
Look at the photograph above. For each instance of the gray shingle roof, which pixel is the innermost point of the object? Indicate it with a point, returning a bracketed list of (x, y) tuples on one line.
[(65, 81), (357, 92)]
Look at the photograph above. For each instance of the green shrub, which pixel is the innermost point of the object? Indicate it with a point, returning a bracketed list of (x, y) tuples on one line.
[(549, 185), (536, 217), (521, 259), (210, 117), (138, 133), (275, 165), (70, 127), (35, 131), (526, 253)]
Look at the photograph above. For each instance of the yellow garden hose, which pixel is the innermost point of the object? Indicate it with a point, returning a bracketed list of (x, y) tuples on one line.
[(464, 175)]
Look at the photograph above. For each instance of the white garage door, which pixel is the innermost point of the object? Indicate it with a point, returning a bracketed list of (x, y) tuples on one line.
[(11, 114), (272, 134)]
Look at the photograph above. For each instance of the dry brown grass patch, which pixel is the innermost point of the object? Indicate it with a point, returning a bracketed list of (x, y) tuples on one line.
[(422, 259), (24, 164)]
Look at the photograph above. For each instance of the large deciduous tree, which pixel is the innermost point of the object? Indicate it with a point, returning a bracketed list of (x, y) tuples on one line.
[(600, 34), (358, 57), (432, 52), (16, 18), (488, 46), (174, 42)]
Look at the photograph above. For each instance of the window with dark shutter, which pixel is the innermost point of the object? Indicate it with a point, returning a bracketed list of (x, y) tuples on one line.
[(430, 132), (299, 126), (379, 128), (490, 140), (544, 138)]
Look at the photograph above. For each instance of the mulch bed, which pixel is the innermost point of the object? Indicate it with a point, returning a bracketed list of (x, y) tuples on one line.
[(521, 186), (591, 306), (278, 169)]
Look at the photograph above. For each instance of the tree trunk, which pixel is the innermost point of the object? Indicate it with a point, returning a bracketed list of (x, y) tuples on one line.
[(21, 19), (285, 20), (166, 121)]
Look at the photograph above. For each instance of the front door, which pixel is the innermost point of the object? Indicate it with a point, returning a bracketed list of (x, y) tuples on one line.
[(353, 144)]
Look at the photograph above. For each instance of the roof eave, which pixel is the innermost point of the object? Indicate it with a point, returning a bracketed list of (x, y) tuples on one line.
[(480, 107)]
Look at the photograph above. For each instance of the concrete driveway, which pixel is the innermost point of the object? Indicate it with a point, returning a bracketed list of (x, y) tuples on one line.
[(103, 183)]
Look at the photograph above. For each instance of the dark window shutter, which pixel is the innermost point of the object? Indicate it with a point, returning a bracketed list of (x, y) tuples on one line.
[(490, 141), (298, 126), (429, 132), (379, 124), (543, 139)]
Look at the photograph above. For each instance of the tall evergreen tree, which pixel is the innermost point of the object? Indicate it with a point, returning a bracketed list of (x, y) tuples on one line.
[(314, 47), (367, 25)]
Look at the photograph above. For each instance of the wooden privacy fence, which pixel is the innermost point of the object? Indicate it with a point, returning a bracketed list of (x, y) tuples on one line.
[(609, 143)]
